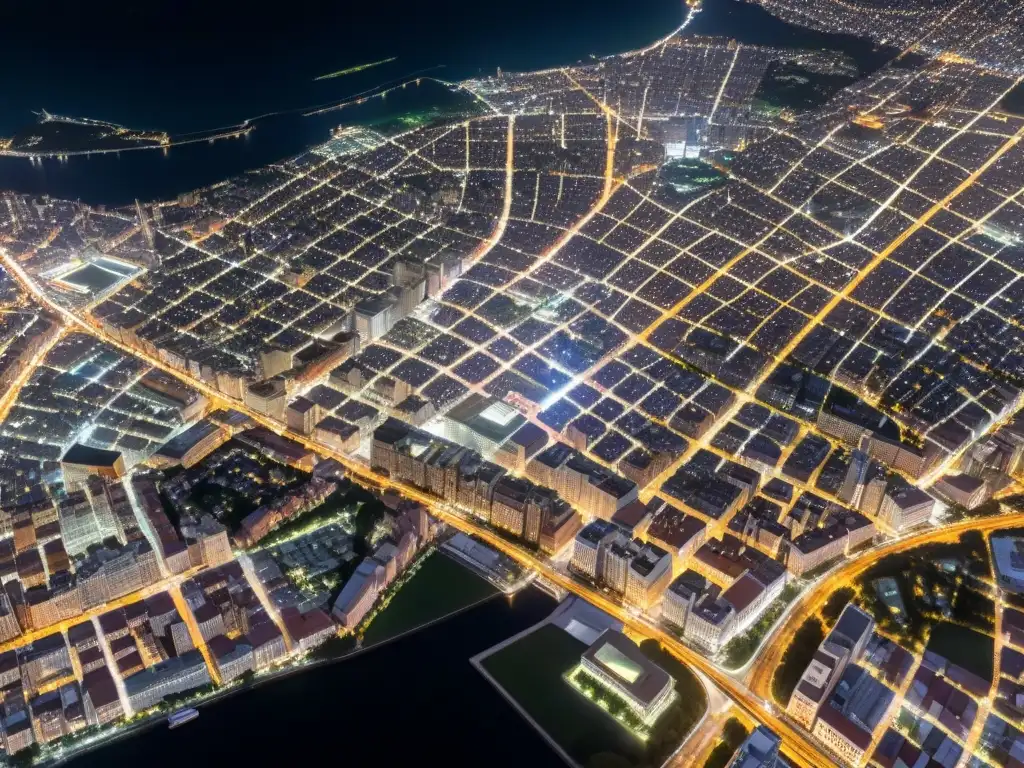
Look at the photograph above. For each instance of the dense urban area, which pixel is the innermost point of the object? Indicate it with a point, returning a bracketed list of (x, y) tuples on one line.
[(738, 381)]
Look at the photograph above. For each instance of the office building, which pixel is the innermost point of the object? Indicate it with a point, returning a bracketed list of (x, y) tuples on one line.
[(760, 750), (589, 546), (81, 462), (617, 556), (232, 659), (711, 621), (905, 507), (617, 663), (302, 415), (175, 675), (1008, 554), (267, 397), (359, 593), (856, 478), (969, 492), (844, 644), (649, 574), (373, 318), (680, 597)]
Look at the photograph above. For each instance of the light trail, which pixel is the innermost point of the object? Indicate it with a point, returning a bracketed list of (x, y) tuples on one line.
[(809, 603), (801, 751), (797, 745), (10, 397)]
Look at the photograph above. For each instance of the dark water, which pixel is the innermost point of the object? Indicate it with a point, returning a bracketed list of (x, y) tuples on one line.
[(149, 175), (196, 65), (751, 24), (416, 701)]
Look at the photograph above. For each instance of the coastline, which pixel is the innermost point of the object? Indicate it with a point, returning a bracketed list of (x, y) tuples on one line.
[(226, 692)]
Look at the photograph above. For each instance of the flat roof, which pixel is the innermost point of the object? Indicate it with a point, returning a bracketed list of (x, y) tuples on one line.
[(745, 590), (180, 444), (852, 624), (488, 416), (92, 457), (623, 660), (674, 528)]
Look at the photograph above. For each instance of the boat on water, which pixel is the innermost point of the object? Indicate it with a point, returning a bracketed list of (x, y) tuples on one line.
[(181, 717)]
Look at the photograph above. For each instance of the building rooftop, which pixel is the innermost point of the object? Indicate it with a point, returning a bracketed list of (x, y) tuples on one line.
[(674, 528), (159, 604), (853, 624), (907, 497), (647, 559), (593, 532), (963, 483), (182, 443), (88, 456), (621, 659), (631, 516), (99, 686), (744, 591), (688, 583), (845, 727)]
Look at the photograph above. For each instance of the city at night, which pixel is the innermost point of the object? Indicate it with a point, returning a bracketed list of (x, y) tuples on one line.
[(563, 383)]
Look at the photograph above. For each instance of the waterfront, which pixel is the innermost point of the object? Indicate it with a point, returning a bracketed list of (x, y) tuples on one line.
[(415, 696), (148, 175)]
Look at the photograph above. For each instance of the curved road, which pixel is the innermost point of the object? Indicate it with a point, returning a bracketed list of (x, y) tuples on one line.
[(798, 747), (760, 675)]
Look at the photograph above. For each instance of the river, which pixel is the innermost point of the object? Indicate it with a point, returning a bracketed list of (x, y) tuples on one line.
[(416, 700), (201, 93)]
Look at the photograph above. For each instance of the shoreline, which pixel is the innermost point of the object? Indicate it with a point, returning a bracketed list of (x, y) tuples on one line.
[(283, 672)]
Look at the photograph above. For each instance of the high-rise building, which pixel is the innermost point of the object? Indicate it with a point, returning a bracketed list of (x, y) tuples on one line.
[(904, 507), (588, 548), (871, 496), (619, 553), (856, 477), (760, 750), (648, 575), (680, 597)]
